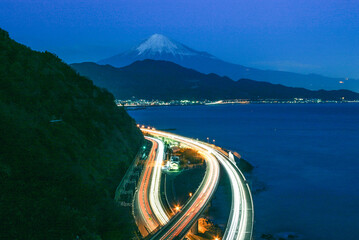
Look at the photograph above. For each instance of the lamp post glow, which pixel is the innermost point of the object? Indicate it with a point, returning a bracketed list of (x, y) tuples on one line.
[(177, 208)]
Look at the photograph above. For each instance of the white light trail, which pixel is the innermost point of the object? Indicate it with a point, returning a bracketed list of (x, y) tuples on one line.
[(238, 219), (155, 202)]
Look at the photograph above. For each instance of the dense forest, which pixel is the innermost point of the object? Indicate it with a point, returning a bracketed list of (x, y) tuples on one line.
[(64, 147)]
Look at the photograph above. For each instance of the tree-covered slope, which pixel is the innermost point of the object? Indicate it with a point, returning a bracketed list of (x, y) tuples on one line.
[(64, 148)]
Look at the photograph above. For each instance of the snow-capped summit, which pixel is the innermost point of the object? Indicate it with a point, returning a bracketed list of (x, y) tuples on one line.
[(159, 44), (158, 47)]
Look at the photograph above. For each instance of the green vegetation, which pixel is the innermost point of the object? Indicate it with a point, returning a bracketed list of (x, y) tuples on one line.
[(180, 184), (64, 148)]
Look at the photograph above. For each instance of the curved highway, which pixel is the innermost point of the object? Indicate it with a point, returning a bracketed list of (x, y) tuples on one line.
[(241, 219), (148, 207), (155, 199), (180, 224)]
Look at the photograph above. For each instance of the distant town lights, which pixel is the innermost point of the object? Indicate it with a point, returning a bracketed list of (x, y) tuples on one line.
[(145, 103)]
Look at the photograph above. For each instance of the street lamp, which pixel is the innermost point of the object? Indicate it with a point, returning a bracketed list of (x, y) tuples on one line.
[(177, 208)]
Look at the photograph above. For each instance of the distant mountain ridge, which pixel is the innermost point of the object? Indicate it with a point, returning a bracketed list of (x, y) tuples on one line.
[(153, 79), (159, 47)]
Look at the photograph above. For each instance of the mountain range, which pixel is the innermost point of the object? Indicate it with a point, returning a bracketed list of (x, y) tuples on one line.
[(163, 80), (160, 47)]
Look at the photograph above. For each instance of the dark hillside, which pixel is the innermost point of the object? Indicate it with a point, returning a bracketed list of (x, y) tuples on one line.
[(64, 148), (151, 79)]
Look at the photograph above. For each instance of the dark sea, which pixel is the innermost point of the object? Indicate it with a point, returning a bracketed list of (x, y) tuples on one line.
[(306, 155)]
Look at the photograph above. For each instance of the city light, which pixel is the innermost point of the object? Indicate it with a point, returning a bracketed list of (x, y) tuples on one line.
[(145, 103)]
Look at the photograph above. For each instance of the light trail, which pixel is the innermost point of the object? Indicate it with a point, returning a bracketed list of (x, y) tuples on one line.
[(201, 199), (147, 199), (241, 219), (238, 219), (155, 200), (147, 217), (180, 223)]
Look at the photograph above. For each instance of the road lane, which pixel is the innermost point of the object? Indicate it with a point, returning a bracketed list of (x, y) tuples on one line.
[(148, 208), (241, 219), (155, 198), (179, 225), (145, 218)]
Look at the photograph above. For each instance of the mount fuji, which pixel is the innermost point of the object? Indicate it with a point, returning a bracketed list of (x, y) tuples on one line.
[(160, 47)]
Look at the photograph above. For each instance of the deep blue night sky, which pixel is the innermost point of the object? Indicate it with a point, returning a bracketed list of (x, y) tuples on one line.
[(320, 36)]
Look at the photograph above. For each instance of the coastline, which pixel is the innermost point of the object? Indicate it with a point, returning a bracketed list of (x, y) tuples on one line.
[(274, 102), (289, 145)]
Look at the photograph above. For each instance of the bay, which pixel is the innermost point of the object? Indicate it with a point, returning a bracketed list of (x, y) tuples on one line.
[(306, 154)]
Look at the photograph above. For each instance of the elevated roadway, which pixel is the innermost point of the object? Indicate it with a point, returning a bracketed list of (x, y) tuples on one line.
[(180, 223), (148, 208), (241, 219)]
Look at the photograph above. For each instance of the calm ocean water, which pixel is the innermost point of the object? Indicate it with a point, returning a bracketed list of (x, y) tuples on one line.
[(307, 155)]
